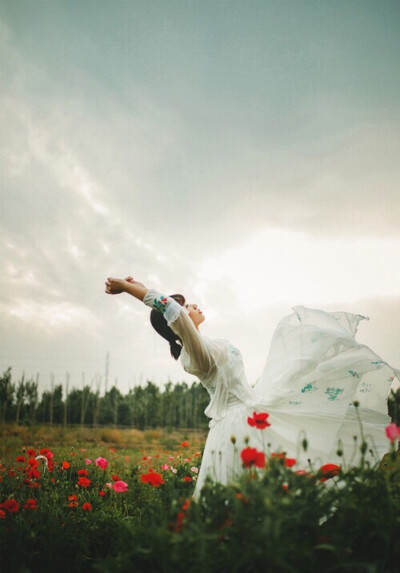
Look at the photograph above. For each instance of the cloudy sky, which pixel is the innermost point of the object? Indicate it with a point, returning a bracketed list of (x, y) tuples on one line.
[(244, 153)]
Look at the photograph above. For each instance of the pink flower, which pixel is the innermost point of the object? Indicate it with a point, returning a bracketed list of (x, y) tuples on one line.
[(393, 432), (165, 467), (101, 462), (194, 470), (171, 458), (88, 462), (109, 484), (120, 486), (174, 470)]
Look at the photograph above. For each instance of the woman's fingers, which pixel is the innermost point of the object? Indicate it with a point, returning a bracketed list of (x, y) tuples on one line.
[(114, 286)]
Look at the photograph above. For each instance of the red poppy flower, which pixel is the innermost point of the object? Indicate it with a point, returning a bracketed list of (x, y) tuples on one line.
[(83, 473), (33, 462), (187, 479), (65, 465), (84, 482), (11, 505), (186, 505), (152, 478), (31, 452), (114, 477), (289, 462), (102, 493), (2, 514), (73, 504), (20, 458), (30, 504), (328, 471), (251, 457), (49, 455), (12, 473), (34, 474), (185, 444), (87, 507), (258, 420), (73, 498)]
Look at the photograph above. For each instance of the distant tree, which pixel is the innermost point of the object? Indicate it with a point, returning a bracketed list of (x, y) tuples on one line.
[(32, 394), (109, 406), (7, 390), (20, 395), (153, 405)]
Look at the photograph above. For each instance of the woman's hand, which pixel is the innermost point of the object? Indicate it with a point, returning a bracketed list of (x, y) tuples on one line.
[(116, 286), (128, 285)]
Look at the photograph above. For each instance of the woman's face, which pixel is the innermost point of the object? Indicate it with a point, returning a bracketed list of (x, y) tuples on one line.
[(195, 314)]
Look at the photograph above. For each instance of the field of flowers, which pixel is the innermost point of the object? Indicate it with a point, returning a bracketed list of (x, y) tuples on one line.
[(101, 508)]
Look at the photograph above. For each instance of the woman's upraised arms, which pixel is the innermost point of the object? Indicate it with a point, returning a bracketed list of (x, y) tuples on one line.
[(176, 316)]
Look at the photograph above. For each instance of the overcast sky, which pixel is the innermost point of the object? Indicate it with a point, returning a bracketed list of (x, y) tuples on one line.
[(244, 153)]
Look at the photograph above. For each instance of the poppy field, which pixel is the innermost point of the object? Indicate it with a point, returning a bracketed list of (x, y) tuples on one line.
[(102, 508)]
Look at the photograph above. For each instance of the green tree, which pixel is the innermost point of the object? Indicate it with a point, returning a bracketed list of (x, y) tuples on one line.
[(7, 390)]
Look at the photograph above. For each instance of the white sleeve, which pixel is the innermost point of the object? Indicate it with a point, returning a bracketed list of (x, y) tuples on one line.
[(181, 324)]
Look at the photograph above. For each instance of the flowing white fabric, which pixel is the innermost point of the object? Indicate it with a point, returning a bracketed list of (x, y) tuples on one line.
[(314, 372)]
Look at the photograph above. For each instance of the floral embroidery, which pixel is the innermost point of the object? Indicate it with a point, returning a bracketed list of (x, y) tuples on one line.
[(294, 402), (354, 374), (365, 387), (378, 362), (333, 393), (160, 304), (309, 388)]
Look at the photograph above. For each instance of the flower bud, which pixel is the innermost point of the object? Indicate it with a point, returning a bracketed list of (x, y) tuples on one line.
[(356, 403), (233, 439), (246, 440), (339, 453), (304, 443), (363, 447)]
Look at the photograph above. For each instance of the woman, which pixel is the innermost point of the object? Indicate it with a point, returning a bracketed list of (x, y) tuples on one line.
[(314, 372)]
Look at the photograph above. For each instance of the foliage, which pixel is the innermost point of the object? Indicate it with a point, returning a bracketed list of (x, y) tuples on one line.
[(178, 405), (275, 519)]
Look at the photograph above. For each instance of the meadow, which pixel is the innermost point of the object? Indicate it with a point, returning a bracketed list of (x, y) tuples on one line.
[(111, 500)]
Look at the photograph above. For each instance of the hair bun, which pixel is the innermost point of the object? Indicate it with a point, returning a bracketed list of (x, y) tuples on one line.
[(175, 348), (159, 324)]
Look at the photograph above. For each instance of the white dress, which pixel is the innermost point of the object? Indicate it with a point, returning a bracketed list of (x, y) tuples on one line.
[(314, 372)]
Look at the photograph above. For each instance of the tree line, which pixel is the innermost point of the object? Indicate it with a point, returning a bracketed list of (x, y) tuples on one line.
[(177, 405)]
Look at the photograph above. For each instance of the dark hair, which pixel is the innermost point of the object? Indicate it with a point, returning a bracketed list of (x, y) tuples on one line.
[(159, 324)]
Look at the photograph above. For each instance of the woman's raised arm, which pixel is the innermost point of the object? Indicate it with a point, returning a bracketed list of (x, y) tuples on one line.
[(128, 285)]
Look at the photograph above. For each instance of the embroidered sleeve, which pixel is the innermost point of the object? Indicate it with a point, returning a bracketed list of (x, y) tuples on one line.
[(177, 317)]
